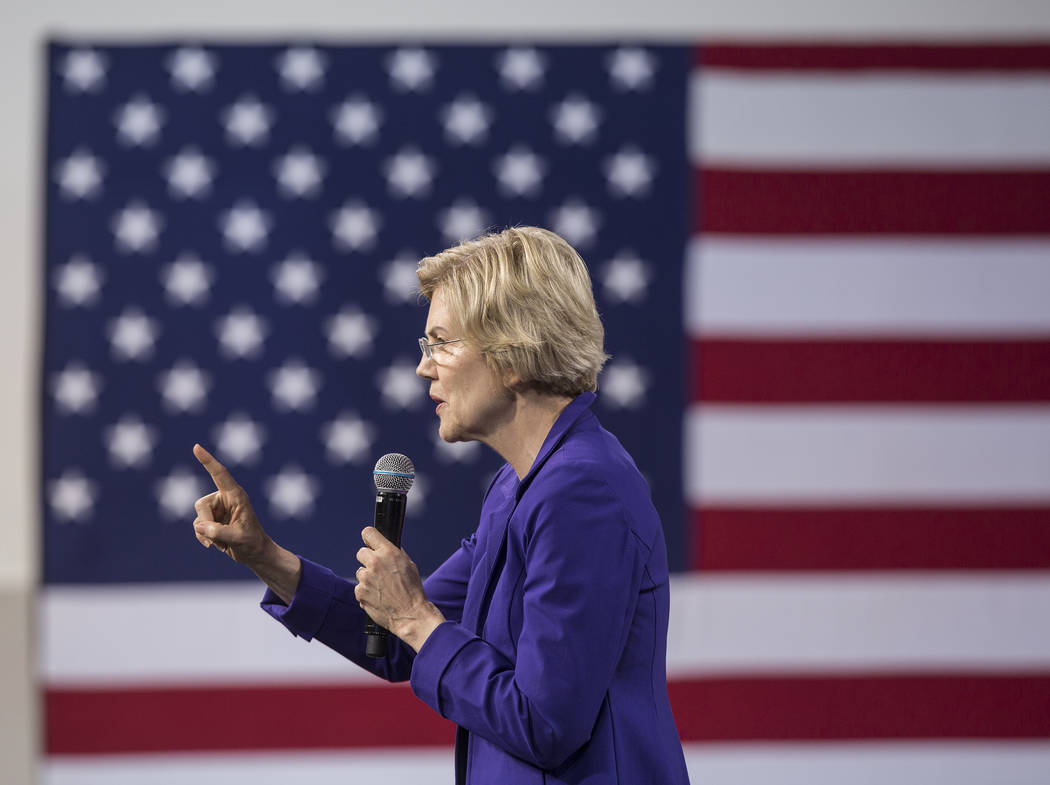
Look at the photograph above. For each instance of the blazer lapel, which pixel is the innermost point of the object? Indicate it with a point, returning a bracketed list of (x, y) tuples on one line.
[(495, 555), (492, 565)]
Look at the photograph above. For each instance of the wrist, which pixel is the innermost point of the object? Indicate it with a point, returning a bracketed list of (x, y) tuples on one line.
[(415, 629), (278, 568), (265, 557)]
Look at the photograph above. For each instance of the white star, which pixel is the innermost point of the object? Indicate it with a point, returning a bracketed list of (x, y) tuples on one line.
[(400, 387), (292, 492), (136, 228), (240, 439), (76, 389), (247, 122), (400, 284), (130, 442), (189, 174), (177, 492), (409, 173), (131, 335), (411, 70), (297, 279), (241, 333), (80, 175), (348, 438), (521, 68), (466, 120), (356, 120), (575, 120), (631, 68), (71, 496), (623, 384), (454, 452), (462, 221), (84, 71), (294, 386), (354, 226), (138, 122), (350, 333), (187, 280), (192, 69), (520, 172), (301, 68), (245, 227), (625, 279), (184, 387), (299, 173), (78, 281), (415, 504), (629, 172), (576, 222)]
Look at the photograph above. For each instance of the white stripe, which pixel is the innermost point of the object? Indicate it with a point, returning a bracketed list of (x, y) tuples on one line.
[(867, 454), (718, 624), (176, 633), (869, 763), (841, 623), (783, 287), (869, 119), (390, 767)]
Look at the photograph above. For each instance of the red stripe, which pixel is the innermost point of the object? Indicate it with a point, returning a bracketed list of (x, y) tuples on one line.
[(87, 722), (854, 371), (807, 539), (98, 721), (863, 707), (874, 202), (981, 57)]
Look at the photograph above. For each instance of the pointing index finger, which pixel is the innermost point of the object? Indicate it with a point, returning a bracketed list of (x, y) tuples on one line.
[(220, 475)]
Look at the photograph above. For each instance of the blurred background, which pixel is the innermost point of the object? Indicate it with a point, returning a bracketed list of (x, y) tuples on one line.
[(818, 240)]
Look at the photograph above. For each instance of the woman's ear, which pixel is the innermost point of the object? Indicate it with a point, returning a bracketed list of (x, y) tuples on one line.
[(511, 380)]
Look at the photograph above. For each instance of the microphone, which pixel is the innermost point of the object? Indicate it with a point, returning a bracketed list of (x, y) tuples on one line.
[(393, 476)]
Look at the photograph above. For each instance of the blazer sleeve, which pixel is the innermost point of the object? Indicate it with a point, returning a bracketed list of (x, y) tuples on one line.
[(324, 607), (584, 568)]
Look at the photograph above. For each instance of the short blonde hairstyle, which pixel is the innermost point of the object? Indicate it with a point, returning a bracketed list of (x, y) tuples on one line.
[(525, 299)]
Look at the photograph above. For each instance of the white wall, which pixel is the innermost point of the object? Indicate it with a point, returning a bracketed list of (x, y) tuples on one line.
[(24, 24)]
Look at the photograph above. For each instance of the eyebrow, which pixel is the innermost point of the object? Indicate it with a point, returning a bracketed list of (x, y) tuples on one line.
[(433, 331)]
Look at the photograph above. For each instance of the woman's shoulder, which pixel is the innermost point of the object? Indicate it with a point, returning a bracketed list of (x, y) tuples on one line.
[(598, 476)]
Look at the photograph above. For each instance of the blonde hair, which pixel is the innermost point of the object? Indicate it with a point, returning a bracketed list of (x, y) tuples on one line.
[(525, 299)]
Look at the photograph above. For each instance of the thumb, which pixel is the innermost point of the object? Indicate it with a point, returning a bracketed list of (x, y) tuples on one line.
[(212, 530)]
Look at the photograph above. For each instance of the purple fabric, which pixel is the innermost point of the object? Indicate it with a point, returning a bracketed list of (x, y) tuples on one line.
[(553, 658)]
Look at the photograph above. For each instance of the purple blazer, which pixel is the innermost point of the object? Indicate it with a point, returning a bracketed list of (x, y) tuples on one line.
[(553, 658)]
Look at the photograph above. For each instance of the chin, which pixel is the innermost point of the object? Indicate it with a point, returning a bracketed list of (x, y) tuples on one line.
[(452, 435)]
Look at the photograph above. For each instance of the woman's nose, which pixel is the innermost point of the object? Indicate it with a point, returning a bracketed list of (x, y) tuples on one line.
[(425, 368)]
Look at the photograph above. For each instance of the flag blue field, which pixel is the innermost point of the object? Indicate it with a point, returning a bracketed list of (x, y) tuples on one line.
[(232, 236)]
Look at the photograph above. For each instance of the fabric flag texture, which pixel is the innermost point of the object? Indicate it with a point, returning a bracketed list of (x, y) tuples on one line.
[(824, 274)]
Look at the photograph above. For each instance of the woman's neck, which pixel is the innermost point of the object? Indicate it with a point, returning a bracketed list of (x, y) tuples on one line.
[(520, 439)]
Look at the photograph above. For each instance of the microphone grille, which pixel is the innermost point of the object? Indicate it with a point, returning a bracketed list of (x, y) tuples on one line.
[(394, 472)]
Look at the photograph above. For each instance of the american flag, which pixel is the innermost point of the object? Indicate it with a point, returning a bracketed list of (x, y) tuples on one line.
[(824, 276)]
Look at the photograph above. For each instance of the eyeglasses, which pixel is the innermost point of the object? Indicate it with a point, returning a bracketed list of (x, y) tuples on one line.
[(428, 348)]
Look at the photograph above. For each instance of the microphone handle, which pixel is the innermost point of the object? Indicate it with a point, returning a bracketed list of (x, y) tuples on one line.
[(390, 521)]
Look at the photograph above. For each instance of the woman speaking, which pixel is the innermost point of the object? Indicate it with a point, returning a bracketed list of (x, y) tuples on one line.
[(543, 637)]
